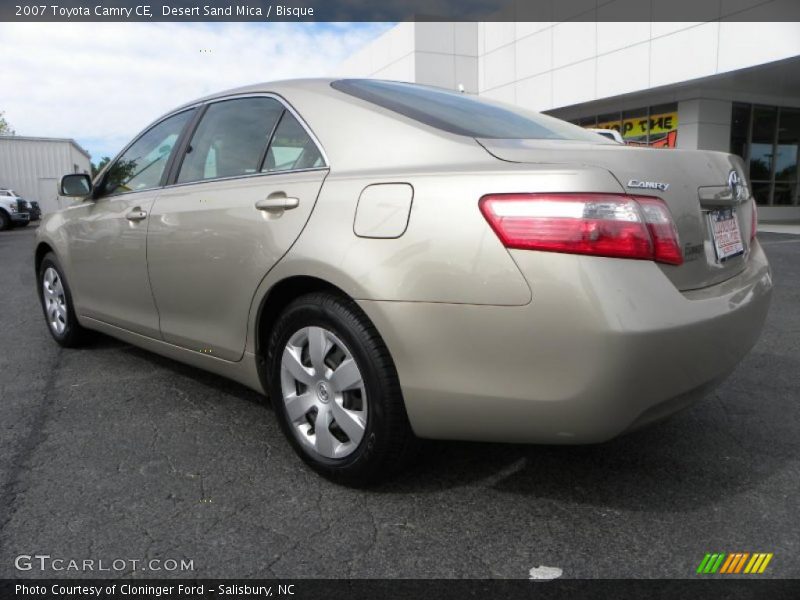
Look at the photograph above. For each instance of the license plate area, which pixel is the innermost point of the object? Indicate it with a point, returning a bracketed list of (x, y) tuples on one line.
[(726, 234)]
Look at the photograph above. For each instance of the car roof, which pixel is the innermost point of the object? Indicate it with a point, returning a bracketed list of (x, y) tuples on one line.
[(321, 85)]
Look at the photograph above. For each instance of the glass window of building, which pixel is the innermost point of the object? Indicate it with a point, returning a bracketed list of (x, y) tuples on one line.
[(786, 157), (768, 139)]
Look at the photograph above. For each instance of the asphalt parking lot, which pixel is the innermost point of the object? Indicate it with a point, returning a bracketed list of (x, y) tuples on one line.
[(109, 452)]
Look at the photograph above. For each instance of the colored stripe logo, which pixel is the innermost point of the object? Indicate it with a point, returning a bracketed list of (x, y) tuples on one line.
[(734, 563)]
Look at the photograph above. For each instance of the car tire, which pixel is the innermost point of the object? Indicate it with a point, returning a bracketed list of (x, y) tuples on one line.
[(5, 221), (387, 443), (57, 305)]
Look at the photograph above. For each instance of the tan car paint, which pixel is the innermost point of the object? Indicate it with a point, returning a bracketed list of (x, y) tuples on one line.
[(605, 345), (383, 210), (489, 344), (209, 248), (107, 261)]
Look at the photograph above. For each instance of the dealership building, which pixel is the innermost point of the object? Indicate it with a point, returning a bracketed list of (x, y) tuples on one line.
[(718, 85)]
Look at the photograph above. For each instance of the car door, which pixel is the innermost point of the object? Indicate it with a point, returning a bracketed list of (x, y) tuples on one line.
[(108, 235), (242, 194)]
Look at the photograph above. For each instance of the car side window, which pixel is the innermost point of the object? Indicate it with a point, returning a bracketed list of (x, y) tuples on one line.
[(230, 139), (291, 148), (143, 164)]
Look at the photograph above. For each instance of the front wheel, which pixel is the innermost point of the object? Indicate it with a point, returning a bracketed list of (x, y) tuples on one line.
[(56, 299), (5, 221), (335, 391)]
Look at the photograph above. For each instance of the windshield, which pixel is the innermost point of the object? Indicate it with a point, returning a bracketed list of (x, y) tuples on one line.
[(462, 114)]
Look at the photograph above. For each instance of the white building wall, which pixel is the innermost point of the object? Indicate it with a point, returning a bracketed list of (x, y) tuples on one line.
[(705, 123), (32, 167), (550, 65), (545, 66), (441, 54), (391, 56)]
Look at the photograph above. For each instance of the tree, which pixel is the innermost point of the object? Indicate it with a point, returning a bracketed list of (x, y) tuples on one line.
[(5, 128), (96, 168)]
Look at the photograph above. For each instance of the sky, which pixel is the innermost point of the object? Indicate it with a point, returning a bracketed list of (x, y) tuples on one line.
[(102, 83)]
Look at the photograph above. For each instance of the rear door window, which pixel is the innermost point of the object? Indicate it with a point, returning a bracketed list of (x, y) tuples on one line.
[(231, 139), (292, 148)]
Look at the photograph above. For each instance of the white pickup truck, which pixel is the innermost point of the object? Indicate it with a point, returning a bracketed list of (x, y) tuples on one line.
[(13, 211)]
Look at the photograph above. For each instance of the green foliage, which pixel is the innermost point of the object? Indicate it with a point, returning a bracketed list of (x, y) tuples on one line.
[(5, 128), (120, 173), (96, 168)]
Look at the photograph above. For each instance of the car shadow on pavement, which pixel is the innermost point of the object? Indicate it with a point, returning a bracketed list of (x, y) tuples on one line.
[(99, 341), (691, 460)]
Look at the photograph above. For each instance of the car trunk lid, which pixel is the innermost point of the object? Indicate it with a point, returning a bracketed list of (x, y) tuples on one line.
[(695, 184)]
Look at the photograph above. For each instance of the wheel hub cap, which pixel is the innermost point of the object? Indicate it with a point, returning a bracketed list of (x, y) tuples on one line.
[(54, 300), (323, 393)]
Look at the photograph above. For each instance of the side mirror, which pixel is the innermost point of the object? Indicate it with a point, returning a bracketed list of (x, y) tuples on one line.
[(75, 184)]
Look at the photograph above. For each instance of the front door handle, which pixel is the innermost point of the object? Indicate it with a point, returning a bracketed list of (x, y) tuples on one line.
[(137, 214), (279, 204)]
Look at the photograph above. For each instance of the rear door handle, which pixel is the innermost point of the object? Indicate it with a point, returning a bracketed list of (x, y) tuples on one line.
[(137, 214), (278, 204)]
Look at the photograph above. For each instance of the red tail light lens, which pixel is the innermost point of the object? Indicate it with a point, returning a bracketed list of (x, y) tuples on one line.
[(614, 225), (662, 230), (754, 226)]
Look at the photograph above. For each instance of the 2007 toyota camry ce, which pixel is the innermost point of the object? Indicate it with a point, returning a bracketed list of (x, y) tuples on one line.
[(389, 262)]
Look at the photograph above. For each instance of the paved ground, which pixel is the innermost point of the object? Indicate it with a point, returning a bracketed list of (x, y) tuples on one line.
[(110, 452)]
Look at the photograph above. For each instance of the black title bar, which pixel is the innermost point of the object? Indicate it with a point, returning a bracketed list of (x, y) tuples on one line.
[(398, 10)]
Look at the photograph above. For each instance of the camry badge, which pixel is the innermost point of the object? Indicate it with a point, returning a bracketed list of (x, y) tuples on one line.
[(648, 185)]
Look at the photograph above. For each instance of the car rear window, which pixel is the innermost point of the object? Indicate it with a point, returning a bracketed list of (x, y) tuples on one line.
[(459, 113)]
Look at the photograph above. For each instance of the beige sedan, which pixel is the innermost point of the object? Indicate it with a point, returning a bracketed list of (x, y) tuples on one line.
[(389, 262)]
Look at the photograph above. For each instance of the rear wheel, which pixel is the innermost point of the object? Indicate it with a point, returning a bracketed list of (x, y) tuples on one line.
[(335, 390), (56, 299)]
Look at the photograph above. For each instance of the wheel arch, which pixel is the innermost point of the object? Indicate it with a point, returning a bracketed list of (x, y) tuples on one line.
[(279, 296), (42, 248)]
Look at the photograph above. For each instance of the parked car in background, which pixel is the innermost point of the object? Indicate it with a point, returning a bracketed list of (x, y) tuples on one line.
[(388, 261), (35, 211), (611, 134), (13, 213)]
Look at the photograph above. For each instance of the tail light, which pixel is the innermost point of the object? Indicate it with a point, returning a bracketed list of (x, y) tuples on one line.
[(754, 226), (614, 225)]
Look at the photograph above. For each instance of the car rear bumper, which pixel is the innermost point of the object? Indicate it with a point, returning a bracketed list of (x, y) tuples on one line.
[(605, 346)]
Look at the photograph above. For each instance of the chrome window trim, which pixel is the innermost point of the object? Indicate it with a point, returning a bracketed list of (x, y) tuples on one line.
[(288, 107), (235, 177), (274, 96)]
